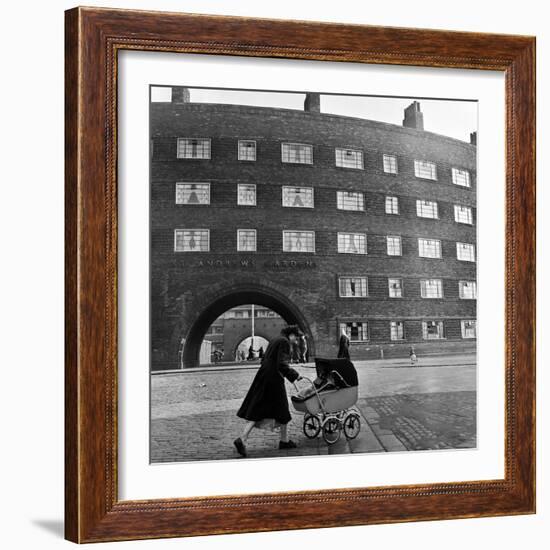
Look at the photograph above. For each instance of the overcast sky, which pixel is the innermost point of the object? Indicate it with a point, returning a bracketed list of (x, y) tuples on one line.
[(453, 118)]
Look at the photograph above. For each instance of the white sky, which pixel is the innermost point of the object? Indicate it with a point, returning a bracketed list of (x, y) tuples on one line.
[(450, 117)]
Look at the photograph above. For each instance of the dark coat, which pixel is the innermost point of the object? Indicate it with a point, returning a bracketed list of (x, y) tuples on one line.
[(343, 349), (266, 397)]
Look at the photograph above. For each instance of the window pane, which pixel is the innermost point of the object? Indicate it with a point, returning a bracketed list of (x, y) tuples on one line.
[(348, 200), (461, 177), (352, 243), (193, 148), (298, 197), (465, 252), (192, 193), (299, 153), (192, 240), (426, 209), (396, 330), (349, 158), (429, 248), (357, 331), (393, 246), (395, 287), (463, 214), (425, 169), (392, 205), (298, 241), (431, 288), (246, 240), (246, 194), (468, 329), (390, 164), (432, 330), (247, 150), (468, 290), (353, 287)]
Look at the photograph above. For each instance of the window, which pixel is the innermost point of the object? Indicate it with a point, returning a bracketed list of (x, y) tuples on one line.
[(298, 241), (392, 205), (393, 246), (467, 290), (395, 288), (432, 330), (468, 329), (463, 214), (192, 193), (466, 252), (193, 148), (246, 240), (298, 153), (426, 209), (246, 194), (298, 197), (191, 240), (461, 177), (397, 331), (431, 288), (357, 332), (429, 248), (353, 287), (349, 158), (352, 243), (348, 200), (247, 149), (425, 169), (390, 164)]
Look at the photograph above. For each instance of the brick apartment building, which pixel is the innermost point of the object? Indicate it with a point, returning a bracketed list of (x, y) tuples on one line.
[(330, 221)]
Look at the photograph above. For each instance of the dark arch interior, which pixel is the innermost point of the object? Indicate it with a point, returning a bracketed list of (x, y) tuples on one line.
[(278, 303)]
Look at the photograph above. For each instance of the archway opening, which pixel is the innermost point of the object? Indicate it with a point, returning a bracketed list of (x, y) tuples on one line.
[(270, 303)]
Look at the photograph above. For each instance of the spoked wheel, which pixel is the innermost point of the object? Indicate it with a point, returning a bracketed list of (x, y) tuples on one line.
[(312, 426), (332, 430), (352, 425)]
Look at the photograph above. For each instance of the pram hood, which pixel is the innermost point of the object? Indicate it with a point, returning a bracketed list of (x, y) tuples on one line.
[(347, 375)]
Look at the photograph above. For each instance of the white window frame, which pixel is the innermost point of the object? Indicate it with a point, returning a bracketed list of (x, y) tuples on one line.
[(239, 240), (390, 247), (390, 279), (427, 209), (422, 166), (396, 323), (463, 328), (392, 205), (308, 191), (304, 232), (460, 175), (341, 152), (422, 240), (363, 285), (441, 330), (185, 183), (176, 231), (461, 292), (208, 140), (341, 200), (342, 233), (365, 330), (242, 141), (389, 161), (459, 211), (239, 185), (431, 284), (471, 256), (286, 143)]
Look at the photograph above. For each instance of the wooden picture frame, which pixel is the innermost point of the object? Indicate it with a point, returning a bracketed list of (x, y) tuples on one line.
[(93, 511)]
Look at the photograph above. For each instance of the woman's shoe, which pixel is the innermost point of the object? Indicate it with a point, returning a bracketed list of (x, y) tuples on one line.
[(241, 449), (287, 444)]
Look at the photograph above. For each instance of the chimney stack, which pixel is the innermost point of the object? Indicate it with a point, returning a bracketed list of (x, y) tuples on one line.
[(473, 138), (312, 103), (414, 118), (180, 94)]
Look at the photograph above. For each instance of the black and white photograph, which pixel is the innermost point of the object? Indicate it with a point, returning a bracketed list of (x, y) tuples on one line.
[(313, 281)]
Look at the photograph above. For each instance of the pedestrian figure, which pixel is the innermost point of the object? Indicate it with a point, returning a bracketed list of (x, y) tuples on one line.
[(412, 355), (261, 352), (302, 347), (343, 348), (251, 355), (266, 404)]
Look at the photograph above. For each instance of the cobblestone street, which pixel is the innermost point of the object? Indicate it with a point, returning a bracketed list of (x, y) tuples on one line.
[(428, 406)]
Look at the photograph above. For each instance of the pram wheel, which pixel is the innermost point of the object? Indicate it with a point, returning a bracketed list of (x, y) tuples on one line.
[(312, 426), (352, 425), (332, 430)]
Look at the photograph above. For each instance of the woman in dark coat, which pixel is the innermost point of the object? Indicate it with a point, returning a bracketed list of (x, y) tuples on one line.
[(343, 348), (266, 404)]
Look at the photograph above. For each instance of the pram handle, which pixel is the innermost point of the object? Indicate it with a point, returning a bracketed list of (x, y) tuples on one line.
[(341, 378)]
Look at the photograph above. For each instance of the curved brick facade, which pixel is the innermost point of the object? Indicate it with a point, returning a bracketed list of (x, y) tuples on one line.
[(304, 287)]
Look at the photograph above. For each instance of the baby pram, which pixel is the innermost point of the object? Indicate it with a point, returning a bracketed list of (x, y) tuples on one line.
[(328, 401)]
